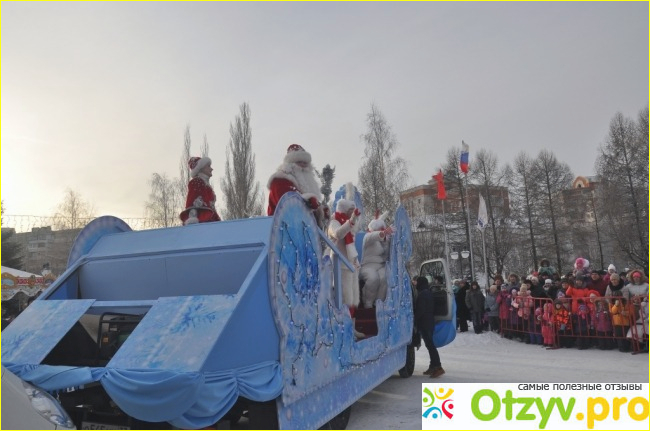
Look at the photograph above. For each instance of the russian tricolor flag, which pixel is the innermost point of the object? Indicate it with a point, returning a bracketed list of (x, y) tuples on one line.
[(464, 158)]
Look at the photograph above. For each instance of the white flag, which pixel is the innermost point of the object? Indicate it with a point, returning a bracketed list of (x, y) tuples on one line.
[(482, 213)]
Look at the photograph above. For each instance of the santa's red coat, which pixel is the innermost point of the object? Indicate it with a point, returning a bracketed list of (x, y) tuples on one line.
[(201, 197), (279, 186)]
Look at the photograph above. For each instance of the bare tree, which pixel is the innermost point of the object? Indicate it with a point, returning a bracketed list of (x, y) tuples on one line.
[(162, 208), (74, 212), (184, 169), (456, 218), (524, 188), (239, 187), (554, 177), (12, 251), (205, 147), (491, 179), (383, 175), (623, 170)]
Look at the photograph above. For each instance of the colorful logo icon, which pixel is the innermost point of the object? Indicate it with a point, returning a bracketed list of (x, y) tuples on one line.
[(435, 412)]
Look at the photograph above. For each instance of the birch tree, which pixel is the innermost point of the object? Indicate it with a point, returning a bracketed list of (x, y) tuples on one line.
[(162, 208), (74, 212), (383, 174)]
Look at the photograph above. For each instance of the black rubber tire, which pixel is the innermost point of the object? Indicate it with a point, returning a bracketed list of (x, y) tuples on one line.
[(263, 415), (409, 366), (338, 422)]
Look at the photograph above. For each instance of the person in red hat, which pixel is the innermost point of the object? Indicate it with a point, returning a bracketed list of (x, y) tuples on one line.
[(201, 200), (297, 174)]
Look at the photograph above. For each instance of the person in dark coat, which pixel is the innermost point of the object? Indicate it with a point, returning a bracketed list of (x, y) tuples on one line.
[(462, 312), (475, 302), (598, 283), (537, 289), (425, 322)]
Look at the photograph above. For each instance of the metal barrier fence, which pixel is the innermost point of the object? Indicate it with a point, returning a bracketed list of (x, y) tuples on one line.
[(602, 322)]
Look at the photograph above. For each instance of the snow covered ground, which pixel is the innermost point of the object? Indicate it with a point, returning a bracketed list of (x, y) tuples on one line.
[(488, 358)]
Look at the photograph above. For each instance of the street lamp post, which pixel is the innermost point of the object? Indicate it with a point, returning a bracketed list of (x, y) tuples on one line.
[(454, 256), (464, 254)]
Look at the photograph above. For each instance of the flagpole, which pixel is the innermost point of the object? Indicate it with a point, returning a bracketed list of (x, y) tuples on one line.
[(484, 258), (469, 231), (482, 223), (444, 225)]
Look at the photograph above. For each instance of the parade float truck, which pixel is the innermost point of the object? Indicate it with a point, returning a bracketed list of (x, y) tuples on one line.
[(191, 326)]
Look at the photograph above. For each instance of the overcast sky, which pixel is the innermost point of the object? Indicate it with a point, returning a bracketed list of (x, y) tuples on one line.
[(96, 96)]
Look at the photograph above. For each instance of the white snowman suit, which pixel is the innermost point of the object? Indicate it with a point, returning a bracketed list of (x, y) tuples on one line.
[(376, 248)]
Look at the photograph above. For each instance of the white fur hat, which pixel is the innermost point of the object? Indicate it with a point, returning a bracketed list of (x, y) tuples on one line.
[(378, 222), (296, 153), (344, 205), (611, 267), (198, 163)]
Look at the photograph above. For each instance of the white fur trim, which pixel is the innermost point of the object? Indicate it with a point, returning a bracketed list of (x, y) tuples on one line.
[(192, 217), (202, 163), (376, 224), (281, 175), (191, 220), (344, 205), (297, 156), (287, 171), (307, 196)]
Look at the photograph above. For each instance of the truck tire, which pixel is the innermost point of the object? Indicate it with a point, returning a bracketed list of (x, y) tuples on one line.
[(409, 367), (338, 422), (263, 415)]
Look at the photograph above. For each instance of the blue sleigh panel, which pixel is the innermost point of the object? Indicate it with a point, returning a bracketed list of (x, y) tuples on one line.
[(38, 329), (324, 369), (178, 333)]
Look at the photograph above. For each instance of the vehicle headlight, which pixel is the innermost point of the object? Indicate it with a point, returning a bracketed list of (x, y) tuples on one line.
[(47, 406)]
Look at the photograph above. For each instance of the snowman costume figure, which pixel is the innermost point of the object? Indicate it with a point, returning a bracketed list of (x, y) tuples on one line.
[(376, 249)]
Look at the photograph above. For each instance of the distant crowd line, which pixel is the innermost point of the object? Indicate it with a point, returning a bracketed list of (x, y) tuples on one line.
[(584, 308)]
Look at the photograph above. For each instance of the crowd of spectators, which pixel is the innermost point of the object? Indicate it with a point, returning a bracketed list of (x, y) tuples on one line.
[(583, 308)]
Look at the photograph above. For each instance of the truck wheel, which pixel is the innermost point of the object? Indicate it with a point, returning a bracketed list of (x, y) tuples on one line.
[(338, 422), (409, 367), (263, 415)]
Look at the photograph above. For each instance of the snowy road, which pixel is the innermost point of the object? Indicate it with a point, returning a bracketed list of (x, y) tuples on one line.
[(488, 358)]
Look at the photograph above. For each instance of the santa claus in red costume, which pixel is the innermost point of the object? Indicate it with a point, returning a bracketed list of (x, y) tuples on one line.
[(201, 200), (297, 174)]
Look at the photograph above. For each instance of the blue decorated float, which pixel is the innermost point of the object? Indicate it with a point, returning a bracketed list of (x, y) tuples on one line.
[(189, 326)]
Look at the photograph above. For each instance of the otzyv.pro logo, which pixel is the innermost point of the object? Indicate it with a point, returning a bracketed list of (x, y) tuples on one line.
[(436, 402), (538, 406)]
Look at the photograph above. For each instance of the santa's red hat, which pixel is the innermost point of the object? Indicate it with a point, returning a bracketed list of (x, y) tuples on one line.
[(296, 153), (198, 163)]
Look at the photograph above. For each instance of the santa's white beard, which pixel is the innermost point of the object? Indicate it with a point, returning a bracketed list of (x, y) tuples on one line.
[(306, 180)]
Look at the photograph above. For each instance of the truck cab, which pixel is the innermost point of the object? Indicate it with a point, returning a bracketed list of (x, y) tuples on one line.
[(440, 283)]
